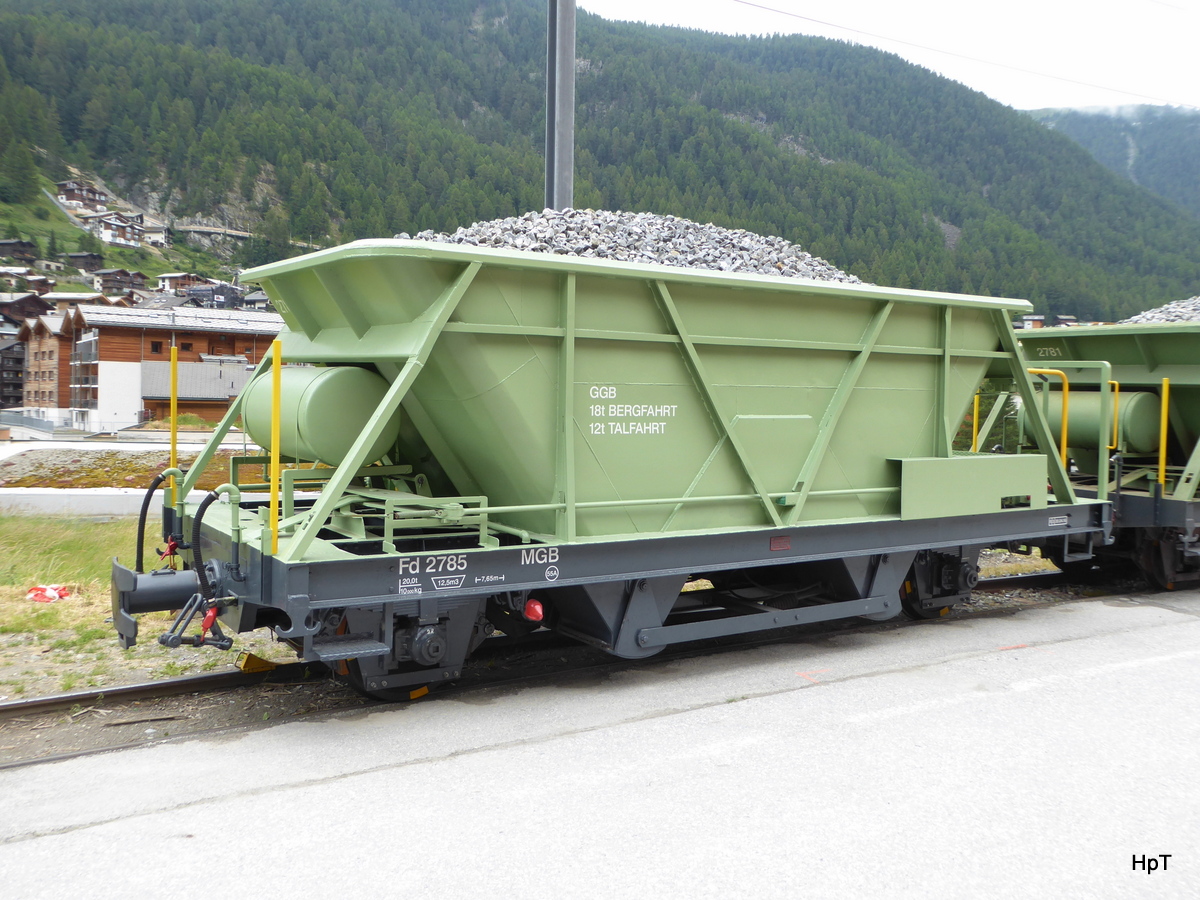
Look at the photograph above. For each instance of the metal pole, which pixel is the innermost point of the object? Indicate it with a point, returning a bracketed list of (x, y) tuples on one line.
[(560, 104), (174, 457)]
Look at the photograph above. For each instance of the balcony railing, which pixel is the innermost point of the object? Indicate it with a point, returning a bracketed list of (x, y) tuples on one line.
[(88, 352)]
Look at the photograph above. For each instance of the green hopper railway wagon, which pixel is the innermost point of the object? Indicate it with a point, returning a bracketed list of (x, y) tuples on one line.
[(1133, 431), (472, 440)]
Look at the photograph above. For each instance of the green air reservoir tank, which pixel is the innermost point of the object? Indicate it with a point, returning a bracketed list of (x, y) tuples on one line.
[(1138, 412), (322, 411)]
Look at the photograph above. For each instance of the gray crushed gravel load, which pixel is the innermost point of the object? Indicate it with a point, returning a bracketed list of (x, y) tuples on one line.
[(1175, 311), (644, 238)]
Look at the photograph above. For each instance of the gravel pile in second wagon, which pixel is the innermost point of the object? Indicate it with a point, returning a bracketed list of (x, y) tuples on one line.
[(644, 238), (1175, 311)]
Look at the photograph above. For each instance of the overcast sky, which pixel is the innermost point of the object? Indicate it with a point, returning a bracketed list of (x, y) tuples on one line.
[(1052, 53)]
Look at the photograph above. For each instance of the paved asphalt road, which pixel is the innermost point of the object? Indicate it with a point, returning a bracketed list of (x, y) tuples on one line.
[(1034, 755)]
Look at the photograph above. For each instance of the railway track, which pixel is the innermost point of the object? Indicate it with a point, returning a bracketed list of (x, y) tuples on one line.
[(168, 687), (505, 665)]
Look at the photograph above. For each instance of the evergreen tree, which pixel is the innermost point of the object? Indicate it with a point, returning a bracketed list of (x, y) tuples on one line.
[(89, 243), (18, 174)]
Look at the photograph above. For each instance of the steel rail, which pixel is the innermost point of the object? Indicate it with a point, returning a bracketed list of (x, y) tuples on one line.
[(314, 671), (167, 687)]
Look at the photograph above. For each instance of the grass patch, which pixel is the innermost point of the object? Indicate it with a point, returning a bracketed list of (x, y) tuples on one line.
[(39, 618), (171, 669), (37, 550), (38, 218), (108, 468), (84, 635)]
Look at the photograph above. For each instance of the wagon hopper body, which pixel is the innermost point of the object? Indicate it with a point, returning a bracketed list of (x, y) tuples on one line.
[(1125, 441), (480, 439)]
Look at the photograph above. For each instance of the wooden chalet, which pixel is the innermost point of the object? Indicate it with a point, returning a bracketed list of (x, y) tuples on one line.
[(47, 382), (76, 194), (41, 284), (119, 229), (85, 262), (24, 305), (157, 235), (117, 281), (19, 250), (64, 301), (180, 281)]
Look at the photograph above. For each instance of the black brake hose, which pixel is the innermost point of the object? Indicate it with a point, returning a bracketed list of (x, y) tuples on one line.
[(206, 589), (141, 529)]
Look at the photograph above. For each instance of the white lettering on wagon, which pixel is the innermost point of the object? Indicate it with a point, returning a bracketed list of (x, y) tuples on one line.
[(539, 556), (415, 565), (626, 418)]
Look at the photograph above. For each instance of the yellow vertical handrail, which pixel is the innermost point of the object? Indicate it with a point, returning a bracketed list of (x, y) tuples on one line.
[(1164, 419), (276, 367), (174, 415), (1116, 440), (975, 425), (1066, 392)]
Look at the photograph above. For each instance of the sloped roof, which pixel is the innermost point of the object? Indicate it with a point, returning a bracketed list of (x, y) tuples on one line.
[(13, 298), (53, 323), (55, 296), (238, 321)]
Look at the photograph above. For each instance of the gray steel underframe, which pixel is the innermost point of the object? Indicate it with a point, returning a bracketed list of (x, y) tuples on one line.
[(1136, 509), (304, 589), (662, 635)]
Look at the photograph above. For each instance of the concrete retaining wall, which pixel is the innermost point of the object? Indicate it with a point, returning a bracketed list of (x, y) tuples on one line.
[(83, 502)]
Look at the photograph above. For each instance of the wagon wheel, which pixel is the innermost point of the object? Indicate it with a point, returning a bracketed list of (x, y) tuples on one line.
[(351, 671), (911, 606), (354, 677)]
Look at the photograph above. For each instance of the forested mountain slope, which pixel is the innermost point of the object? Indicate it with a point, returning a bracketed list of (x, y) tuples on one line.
[(1157, 147), (368, 117)]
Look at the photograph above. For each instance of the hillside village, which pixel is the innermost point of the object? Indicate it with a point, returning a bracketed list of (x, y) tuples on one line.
[(95, 358)]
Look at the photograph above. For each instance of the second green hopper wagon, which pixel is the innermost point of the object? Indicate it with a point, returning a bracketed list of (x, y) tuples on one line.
[(1133, 431)]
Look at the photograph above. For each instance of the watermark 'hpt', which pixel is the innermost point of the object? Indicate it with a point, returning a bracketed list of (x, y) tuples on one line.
[(1150, 864)]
